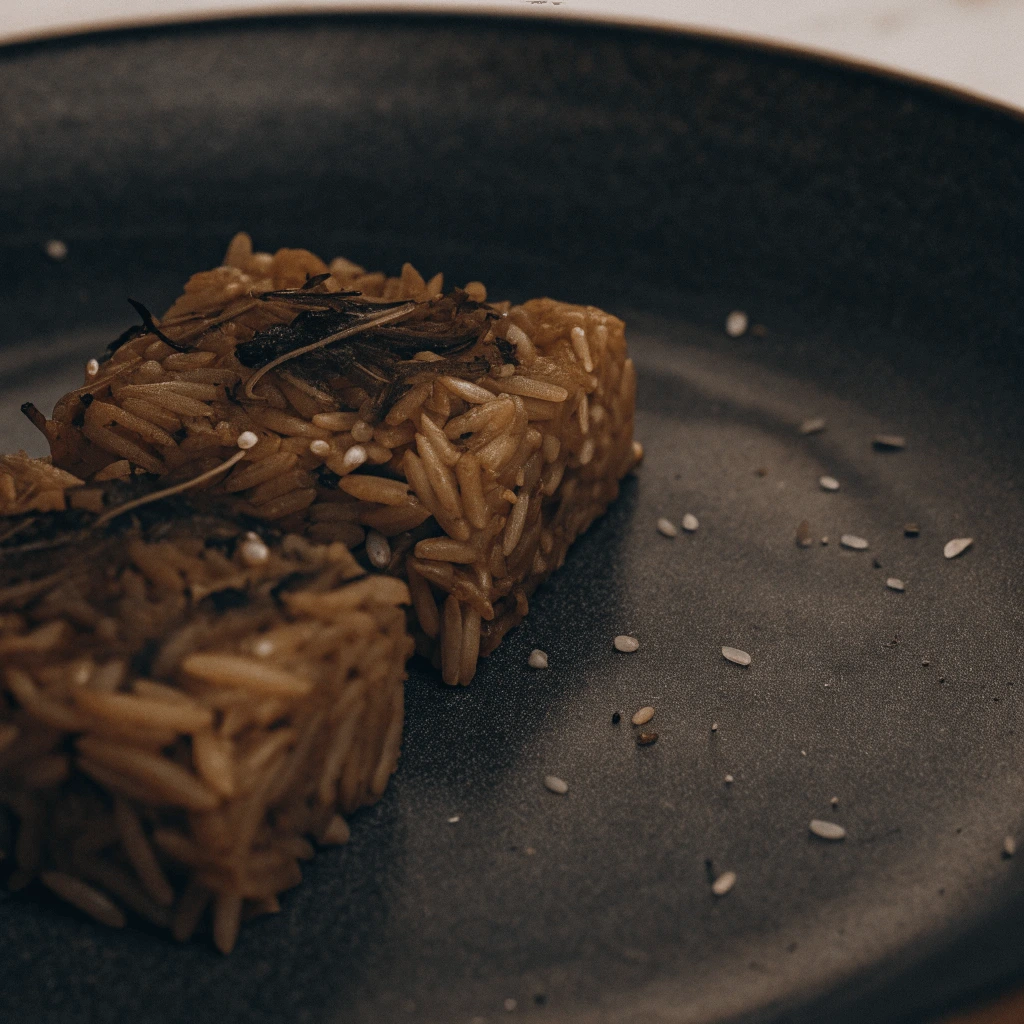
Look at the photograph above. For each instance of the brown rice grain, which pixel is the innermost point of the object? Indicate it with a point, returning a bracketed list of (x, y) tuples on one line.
[(87, 899), (140, 854), (451, 641), (376, 489)]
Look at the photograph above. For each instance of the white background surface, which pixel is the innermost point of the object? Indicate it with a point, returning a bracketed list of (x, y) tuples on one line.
[(977, 45)]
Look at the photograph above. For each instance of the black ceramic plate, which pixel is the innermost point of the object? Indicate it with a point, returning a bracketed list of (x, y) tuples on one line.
[(875, 228)]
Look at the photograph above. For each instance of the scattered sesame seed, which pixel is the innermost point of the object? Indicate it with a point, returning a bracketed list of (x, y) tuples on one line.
[(736, 656), (378, 550), (643, 716), (911, 530), (638, 451), (957, 547), (723, 883), (1009, 846), (893, 583), (690, 522), (616, 717), (626, 644), (454, 819), (247, 439), (556, 785), (729, 780), (537, 659), (254, 552), (812, 426), (828, 483), (714, 727), (92, 367), (889, 442), (827, 830), (736, 324), (353, 458), (667, 528), (834, 801), (803, 753), (320, 447), (853, 542), (56, 250), (645, 739), (925, 662), (803, 535), (510, 1005)]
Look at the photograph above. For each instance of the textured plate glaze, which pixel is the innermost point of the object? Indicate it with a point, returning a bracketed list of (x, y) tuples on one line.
[(874, 228)]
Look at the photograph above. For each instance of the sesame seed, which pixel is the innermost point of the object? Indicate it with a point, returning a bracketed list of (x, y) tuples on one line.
[(723, 883), (889, 442), (911, 530), (667, 528), (56, 250), (729, 780), (736, 656), (736, 324), (254, 552), (378, 550), (556, 785), (643, 716), (92, 367), (828, 483), (714, 727), (812, 426), (626, 644), (834, 801), (690, 522), (894, 583), (853, 542), (827, 830), (1009, 846), (454, 819), (824, 542), (247, 439), (957, 547), (645, 739), (537, 659), (354, 457), (320, 447)]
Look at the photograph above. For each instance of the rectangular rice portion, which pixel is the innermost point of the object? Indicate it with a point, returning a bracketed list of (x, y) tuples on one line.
[(184, 706), (468, 473)]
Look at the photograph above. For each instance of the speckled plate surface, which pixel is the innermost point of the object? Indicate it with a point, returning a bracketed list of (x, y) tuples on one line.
[(874, 229)]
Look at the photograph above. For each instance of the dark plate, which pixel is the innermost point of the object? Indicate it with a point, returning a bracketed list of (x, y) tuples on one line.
[(875, 228)]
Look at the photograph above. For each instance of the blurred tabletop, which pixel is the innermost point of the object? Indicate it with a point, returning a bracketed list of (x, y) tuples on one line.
[(973, 45), (976, 45)]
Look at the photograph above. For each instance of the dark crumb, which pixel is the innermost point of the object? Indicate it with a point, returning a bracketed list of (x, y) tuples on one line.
[(925, 662), (792, 947), (876, 563), (709, 869), (645, 739), (86, 399), (616, 718), (942, 679), (540, 999), (911, 530), (762, 471)]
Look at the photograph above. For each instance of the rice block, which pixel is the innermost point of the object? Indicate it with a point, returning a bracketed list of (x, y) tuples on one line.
[(459, 444), (187, 706)]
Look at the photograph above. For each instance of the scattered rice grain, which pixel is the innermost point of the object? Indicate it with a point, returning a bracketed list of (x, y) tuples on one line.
[(812, 426), (893, 583), (643, 716), (827, 830), (690, 522), (736, 324), (1009, 847), (645, 739), (667, 528), (957, 547), (723, 883), (556, 785), (828, 483), (537, 659), (736, 656), (626, 644), (853, 542), (889, 442)]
